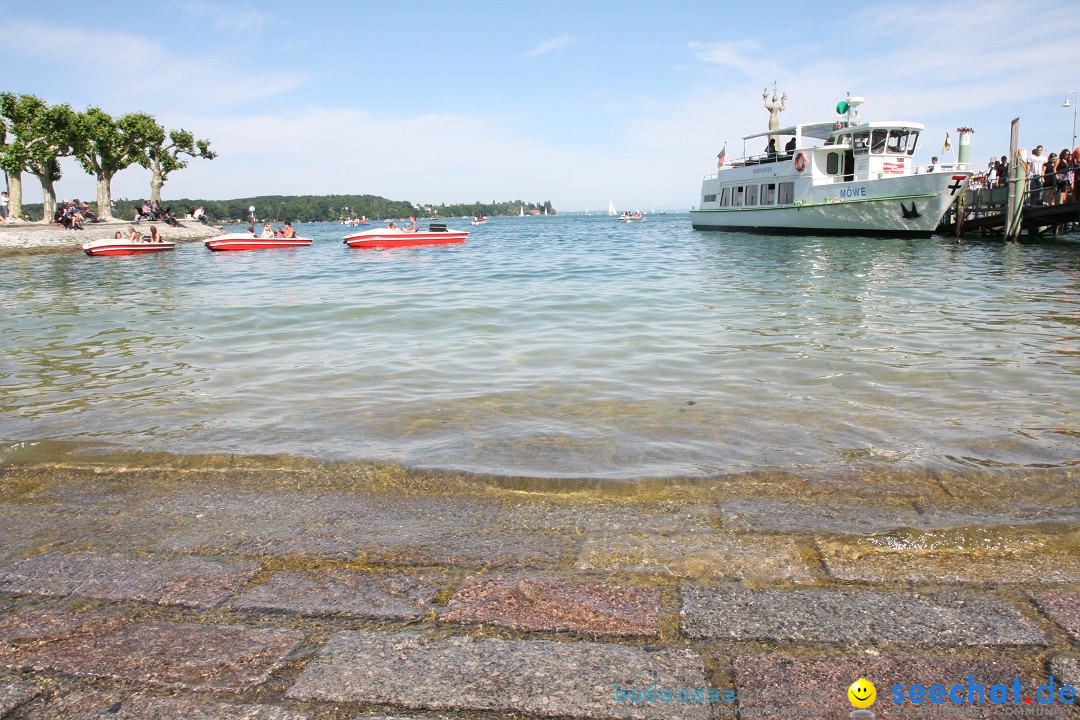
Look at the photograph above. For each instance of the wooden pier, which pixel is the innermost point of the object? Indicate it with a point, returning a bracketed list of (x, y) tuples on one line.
[(985, 212)]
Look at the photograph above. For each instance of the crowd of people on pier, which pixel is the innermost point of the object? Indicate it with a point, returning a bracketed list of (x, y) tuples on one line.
[(152, 211), (1051, 178)]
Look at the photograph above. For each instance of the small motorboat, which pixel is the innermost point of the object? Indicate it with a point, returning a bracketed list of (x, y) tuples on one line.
[(247, 241), (384, 238), (480, 220), (111, 246)]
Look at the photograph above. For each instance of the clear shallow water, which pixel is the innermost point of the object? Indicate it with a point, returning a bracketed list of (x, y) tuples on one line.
[(565, 346)]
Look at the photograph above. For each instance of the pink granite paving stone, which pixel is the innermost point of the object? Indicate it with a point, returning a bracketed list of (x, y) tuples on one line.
[(391, 596), (771, 686), (533, 677), (188, 581), (115, 706), (175, 655), (1061, 607), (26, 631), (1067, 670), (14, 695), (556, 604)]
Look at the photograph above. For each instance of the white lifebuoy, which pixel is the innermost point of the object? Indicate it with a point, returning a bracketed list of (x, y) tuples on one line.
[(800, 161)]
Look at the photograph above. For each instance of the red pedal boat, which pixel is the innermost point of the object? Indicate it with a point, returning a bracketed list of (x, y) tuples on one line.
[(384, 238), (247, 241), (124, 247)]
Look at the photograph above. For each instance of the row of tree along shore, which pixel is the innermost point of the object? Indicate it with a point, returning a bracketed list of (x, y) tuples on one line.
[(319, 208), (34, 135)]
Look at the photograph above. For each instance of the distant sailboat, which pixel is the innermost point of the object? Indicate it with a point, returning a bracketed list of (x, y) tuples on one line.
[(611, 208), (522, 213)]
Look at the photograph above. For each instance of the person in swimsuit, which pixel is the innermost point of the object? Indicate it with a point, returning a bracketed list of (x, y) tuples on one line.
[(411, 227)]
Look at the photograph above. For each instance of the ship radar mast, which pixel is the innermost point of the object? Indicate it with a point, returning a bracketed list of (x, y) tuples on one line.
[(849, 108)]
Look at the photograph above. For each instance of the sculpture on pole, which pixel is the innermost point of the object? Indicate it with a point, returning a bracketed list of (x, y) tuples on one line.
[(773, 108)]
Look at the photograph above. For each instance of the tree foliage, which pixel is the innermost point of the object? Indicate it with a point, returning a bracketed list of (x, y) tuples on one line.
[(105, 145), (164, 157)]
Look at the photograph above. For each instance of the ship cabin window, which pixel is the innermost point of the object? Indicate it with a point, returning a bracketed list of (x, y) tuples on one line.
[(786, 192), (768, 194), (751, 194), (903, 141), (723, 198), (832, 163), (709, 198), (737, 196), (877, 141), (861, 142)]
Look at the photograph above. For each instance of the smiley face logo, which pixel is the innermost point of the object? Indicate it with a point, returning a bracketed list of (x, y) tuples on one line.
[(862, 693)]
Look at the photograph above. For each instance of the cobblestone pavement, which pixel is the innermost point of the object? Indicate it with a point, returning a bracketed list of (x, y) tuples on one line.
[(226, 589)]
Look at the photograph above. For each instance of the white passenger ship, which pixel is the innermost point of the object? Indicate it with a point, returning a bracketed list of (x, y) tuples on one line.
[(840, 177)]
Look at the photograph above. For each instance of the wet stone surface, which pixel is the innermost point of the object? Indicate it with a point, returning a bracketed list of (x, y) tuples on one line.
[(1066, 670), (715, 557), (959, 555), (179, 655), (191, 582), (557, 604), (1061, 607), (771, 686), (116, 706), (390, 596), (461, 673), (771, 515), (14, 694), (846, 617)]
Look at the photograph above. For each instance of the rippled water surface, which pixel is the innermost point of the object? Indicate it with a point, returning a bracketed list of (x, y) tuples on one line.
[(564, 346)]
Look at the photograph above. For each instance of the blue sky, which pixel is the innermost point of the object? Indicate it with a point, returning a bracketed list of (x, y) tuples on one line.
[(564, 101)]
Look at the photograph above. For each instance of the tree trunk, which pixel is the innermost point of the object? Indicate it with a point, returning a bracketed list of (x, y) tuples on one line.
[(157, 181), (48, 195), (15, 195), (104, 197)]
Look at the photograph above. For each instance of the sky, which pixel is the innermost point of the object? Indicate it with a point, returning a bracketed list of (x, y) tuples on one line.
[(575, 102)]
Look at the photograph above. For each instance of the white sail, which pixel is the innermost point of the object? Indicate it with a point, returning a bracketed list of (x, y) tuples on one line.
[(522, 213), (611, 208)]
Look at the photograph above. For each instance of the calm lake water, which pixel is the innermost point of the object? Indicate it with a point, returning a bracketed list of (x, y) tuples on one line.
[(562, 346)]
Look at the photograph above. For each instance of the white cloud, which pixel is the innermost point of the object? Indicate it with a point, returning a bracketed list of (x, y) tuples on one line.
[(555, 44), (230, 18)]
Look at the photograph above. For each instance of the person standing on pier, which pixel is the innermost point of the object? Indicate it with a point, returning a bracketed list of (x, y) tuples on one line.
[(1035, 173)]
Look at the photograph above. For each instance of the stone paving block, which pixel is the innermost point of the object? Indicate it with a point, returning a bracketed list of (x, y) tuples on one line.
[(707, 557), (1028, 555), (848, 617), (473, 551), (177, 655), (1061, 607), (574, 680), (15, 694), (609, 518), (390, 596), (825, 516), (771, 686), (116, 706), (557, 604), (1067, 670), (187, 581)]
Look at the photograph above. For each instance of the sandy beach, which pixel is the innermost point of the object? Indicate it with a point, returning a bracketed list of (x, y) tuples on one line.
[(36, 238)]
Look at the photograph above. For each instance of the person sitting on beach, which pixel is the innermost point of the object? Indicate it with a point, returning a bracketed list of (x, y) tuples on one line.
[(134, 235), (411, 226), (199, 214), (87, 215), (288, 231), (168, 218)]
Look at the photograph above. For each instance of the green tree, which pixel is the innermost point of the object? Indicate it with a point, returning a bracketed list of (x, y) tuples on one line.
[(12, 153), (43, 134), (105, 145), (163, 157)]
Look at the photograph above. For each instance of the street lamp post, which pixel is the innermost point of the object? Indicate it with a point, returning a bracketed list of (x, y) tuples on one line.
[(1073, 106)]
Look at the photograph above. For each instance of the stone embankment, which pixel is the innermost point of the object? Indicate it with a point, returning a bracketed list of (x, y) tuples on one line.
[(178, 591), (31, 238)]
